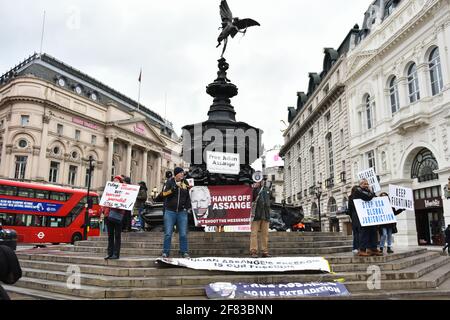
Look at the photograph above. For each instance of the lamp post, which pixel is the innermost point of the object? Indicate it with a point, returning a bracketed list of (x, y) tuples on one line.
[(318, 191), (88, 199)]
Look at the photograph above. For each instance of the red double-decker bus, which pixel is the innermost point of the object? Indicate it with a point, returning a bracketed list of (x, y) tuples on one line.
[(47, 214)]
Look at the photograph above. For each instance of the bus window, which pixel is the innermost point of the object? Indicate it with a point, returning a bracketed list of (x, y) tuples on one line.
[(94, 223), (59, 196), (8, 190), (94, 200), (42, 194), (55, 222), (6, 219), (40, 221), (23, 220), (26, 193)]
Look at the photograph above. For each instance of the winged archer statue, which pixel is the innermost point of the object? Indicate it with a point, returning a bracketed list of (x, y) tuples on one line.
[(231, 25)]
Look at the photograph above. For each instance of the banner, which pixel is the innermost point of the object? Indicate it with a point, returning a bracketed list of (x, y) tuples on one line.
[(31, 206), (401, 198), (119, 196), (282, 264), (227, 290), (221, 205), (223, 163), (370, 176), (375, 212)]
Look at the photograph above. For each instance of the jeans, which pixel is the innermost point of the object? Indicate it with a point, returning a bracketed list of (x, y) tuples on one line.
[(356, 235), (179, 219), (141, 218), (114, 237), (386, 233), (368, 238)]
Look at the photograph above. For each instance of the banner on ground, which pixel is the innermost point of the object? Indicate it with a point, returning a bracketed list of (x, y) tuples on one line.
[(223, 163), (119, 196), (282, 264), (221, 205), (401, 197), (370, 176), (226, 290), (375, 212)]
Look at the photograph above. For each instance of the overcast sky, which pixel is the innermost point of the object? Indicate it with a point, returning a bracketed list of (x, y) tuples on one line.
[(175, 44)]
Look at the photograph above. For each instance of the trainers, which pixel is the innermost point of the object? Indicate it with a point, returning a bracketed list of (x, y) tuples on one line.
[(185, 255), (266, 255), (389, 250)]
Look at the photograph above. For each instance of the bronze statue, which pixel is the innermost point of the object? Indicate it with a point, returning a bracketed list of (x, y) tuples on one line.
[(231, 25)]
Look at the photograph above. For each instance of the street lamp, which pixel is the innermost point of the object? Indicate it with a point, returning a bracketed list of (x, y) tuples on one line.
[(88, 199), (318, 191)]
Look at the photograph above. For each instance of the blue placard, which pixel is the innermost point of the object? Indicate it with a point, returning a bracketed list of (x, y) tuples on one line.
[(21, 205)]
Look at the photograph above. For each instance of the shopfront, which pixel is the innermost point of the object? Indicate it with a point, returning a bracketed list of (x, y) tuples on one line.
[(430, 221)]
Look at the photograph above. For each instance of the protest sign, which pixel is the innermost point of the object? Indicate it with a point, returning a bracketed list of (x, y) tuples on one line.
[(227, 290), (370, 176), (119, 196), (375, 212), (223, 163), (221, 205), (282, 264), (401, 198)]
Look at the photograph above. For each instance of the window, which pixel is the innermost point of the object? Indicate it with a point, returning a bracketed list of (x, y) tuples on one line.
[(56, 150), (72, 175), (88, 178), (393, 94), (60, 129), (371, 160), (312, 166), (413, 84), (25, 192), (116, 148), (23, 143), (24, 120), (77, 134), (53, 174), (21, 166), (2, 123), (311, 134), (340, 105), (369, 115), (342, 137), (435, 72), (93, 140), (424, 166), (329, 139)]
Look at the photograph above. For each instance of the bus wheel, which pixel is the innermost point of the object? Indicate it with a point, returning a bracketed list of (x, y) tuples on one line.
[(76, 237)]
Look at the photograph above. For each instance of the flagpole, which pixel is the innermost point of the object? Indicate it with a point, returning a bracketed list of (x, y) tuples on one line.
[(139, 93), (42, 34)]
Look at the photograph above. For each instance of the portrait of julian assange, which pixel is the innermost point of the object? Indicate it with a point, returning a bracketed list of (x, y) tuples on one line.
[(202, 207)]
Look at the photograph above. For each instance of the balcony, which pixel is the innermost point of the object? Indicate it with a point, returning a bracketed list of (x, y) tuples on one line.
[(329, 183), (299, 196), (343, 177), (312, 190)]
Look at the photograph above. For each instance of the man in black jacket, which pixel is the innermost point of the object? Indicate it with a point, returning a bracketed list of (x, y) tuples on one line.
[(368, 235), (447, 239), (177, 203), (10, 270)]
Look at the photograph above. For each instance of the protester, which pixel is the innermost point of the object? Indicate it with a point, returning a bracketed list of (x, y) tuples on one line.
[(10, 271), (261, 219), (447, 239), (126, 224), (176, 203), (368, 235), (114, 219), (140, 203), (356, 225), (386, 230)]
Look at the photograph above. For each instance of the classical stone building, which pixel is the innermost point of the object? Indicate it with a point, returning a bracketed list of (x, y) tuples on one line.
[(54, 117), (316, 149), (398, 90)]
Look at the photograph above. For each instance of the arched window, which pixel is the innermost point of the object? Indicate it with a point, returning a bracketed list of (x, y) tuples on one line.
[(369, 113), (413, 84), (435, 72), (332, 207), (424, 165), (330, 159), (393, 94), (314, 209), (312, 166)]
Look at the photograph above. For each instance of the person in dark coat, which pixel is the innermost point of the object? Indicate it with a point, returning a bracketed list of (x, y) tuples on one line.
[(10, 270), (368, 240), (261, 220), (140, 202), (356, 225), (387, 230), (447, 239)]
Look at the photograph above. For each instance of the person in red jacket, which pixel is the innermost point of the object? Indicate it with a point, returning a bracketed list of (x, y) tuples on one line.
[(114, 218)]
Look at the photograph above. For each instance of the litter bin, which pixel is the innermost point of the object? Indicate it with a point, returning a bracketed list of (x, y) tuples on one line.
[(8, 238)]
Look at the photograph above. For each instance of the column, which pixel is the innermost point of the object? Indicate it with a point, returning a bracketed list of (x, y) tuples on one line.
[(443, 36), (151, 175), (407, 232), (5, 157), (109, 158), (144, 166), (158, 183), (128, 163), (424, 80), (42, 172)]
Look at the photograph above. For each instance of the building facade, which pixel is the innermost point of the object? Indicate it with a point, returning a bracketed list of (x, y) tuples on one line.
[(53, 118), (399, 104), (316, 149)]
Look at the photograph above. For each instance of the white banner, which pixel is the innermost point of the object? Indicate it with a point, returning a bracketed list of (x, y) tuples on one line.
[(252, 265), (119, 196), (370, 176), (375, 212), (223, 163), (401, 197)]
